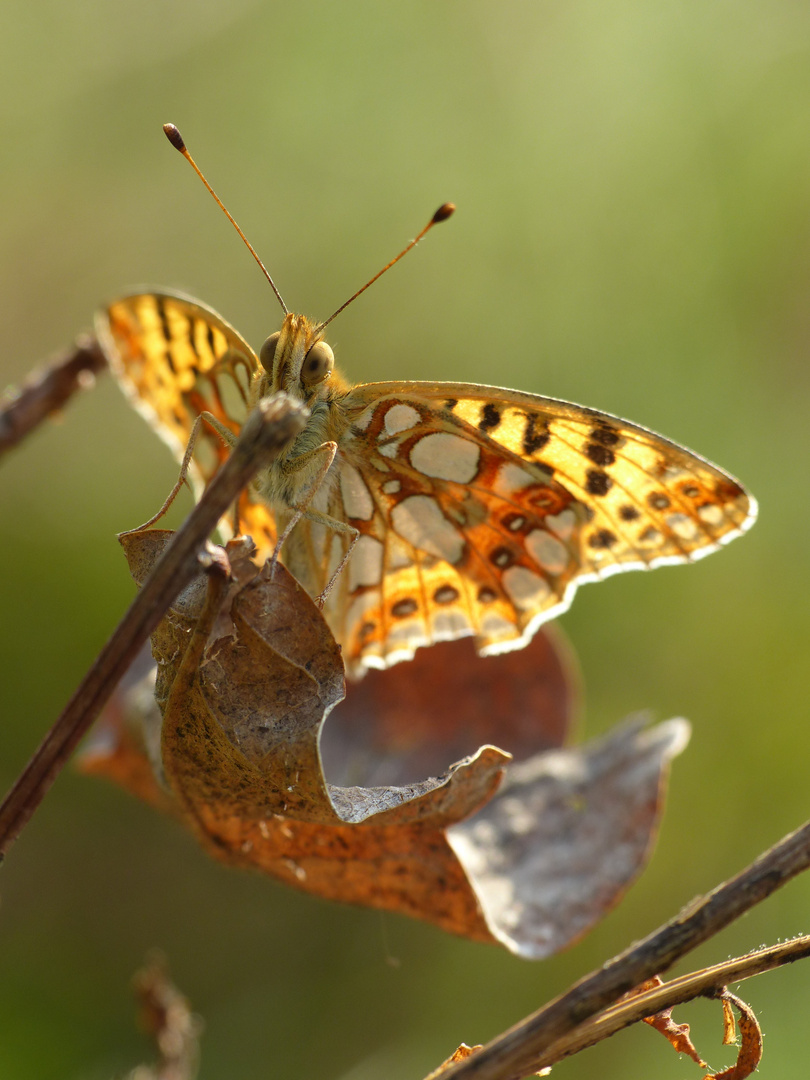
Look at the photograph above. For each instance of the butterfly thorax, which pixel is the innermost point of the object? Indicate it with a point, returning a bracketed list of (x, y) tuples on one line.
[(299, 362)]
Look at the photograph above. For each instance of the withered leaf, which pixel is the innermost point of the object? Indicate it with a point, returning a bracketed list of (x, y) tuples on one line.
[(749, 1054), (676, 1034), (411, 720), (243, 702)]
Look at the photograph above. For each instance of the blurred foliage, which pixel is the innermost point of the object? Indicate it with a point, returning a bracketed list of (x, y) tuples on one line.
[(633, 185)]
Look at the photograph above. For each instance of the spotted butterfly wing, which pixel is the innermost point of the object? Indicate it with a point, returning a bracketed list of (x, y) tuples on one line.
[(176, 358), (480, 510)]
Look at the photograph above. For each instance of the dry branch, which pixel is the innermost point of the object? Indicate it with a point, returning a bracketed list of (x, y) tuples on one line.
[(47, 390), (268, 429), (535, 1040), (705, 983)]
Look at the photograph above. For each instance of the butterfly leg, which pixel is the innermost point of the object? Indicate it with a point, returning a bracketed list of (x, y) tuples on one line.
[(227, 437), (318, 469)]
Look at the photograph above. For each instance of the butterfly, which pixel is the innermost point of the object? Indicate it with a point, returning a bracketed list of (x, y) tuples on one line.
[(463, 509)]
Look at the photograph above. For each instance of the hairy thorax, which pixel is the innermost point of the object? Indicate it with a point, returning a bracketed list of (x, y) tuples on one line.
[(283, 485)]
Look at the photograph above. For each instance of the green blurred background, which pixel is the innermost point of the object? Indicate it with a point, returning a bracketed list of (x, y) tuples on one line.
[(633, 183)]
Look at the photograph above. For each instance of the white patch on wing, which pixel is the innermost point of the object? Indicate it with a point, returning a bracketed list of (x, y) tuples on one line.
[(711, 514), (419, 520), (391, 487), (446, 457), (357, 501), (362, 422), (411, 633), (397, 553), (512, 478), (365, 563), (562, 524), (547, 550), (449, 625), (525, 588), (683, 526), (390, 449), (494, 625), (401, 418)]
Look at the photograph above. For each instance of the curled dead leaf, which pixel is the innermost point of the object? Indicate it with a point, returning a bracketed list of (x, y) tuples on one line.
[(676, 1034), (750, 1051), (749, 1054), (247, 672)]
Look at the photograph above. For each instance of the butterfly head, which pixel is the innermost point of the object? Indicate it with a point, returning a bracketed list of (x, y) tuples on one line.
[(296, 360)]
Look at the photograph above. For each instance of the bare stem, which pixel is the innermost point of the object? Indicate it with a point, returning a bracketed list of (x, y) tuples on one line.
[(267, 430), (47, 390), (705, 983), (517, 1052)]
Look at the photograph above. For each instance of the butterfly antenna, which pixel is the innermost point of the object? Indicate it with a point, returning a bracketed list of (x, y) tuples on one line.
[(442, 214), (176, 139)]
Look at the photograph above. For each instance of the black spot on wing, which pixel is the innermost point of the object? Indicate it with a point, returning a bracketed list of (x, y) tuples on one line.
[(209, 333), (605, 435), (602, 538), (534, 437), (502, 557), (405, 607), (513, 522), (490, 417), (445, 594), (599, 454), (597, 482), (164, 324)]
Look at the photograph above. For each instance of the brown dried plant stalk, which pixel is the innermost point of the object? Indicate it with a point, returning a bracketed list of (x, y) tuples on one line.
[(47, 390), (590, 1010), (268, 429)]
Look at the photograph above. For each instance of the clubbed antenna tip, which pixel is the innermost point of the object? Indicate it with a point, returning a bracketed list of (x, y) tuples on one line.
[(176, 139)]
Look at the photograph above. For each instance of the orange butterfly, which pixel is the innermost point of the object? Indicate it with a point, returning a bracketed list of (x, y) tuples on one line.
[(468, 510)]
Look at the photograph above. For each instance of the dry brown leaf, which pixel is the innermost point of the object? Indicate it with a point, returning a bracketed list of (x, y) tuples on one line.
[(750, 1053), (410, 720), (729, 1024), (675, 1034), (567, 833), (243, 703)]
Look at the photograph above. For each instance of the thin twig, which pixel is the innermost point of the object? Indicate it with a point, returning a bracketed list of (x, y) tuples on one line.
[(47, 390), (705, 983), (514, 1053), (267, 430)]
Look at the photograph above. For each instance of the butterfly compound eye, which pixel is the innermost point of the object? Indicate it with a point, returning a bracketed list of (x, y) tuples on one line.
[(318, 364), (267, 352)]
